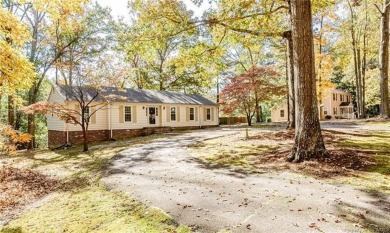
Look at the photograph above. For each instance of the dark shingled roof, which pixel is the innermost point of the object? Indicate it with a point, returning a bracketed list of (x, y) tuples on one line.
[(344, 104), (133, 95)]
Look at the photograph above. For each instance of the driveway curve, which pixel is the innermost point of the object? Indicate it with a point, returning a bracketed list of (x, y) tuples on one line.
[(164, 174)]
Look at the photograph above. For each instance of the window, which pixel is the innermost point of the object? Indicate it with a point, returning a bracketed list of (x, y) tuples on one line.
[(127, 113), (208, 114), (173, 113), (341, 97), (334, 110), (334, 96), (192, 114), (281, 113), (325, 112), (86, 114)]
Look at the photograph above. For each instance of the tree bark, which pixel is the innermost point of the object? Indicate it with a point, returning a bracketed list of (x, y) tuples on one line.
[(384, 61), (290, 78), (309, 143), (11, 111), (355, 61), (85, 139), (258, 114), (30, 117)]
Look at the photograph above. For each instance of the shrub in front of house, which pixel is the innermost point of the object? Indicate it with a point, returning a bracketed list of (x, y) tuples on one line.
[(328, 117)]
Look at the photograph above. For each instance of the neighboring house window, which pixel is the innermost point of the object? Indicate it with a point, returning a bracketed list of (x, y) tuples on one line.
[(334, 97), (173, 113), (127, 113), (281, 113), (334, 110), (192, 114), (208, 114), (86, 114), (325, 112), (341, 97)]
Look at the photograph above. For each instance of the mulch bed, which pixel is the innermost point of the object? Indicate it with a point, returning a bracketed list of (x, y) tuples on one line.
[(22, 186)]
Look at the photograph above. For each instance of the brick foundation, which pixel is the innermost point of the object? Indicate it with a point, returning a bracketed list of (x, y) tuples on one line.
[(58, 138)]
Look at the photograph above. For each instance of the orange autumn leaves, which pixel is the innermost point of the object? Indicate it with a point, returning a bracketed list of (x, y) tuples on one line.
[(259, 84)]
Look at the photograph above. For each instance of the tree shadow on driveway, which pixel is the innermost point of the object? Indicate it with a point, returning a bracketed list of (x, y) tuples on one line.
[(238, 172), (374, 216)]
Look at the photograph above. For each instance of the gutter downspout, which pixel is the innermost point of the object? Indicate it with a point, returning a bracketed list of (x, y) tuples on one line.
[(199, 116), (67, 132), (109, 120)]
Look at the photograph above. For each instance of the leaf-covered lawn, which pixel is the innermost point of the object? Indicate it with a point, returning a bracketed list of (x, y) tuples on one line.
[(358, 158), (93, 209), (76, 200)]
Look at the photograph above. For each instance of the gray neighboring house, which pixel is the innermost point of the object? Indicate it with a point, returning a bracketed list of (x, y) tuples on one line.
[(129, 113)]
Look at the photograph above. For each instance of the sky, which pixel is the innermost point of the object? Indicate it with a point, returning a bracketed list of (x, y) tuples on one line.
[(119, 7)]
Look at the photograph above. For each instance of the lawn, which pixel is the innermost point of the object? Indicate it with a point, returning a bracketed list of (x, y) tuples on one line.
[(357, 158), (70, 196)]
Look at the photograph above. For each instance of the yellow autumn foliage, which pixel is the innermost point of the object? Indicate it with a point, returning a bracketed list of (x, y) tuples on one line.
[(16, 72)]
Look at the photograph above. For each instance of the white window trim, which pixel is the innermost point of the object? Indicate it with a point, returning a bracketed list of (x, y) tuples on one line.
[(124, 114), (88, 119), (170, 114), (189, 117)]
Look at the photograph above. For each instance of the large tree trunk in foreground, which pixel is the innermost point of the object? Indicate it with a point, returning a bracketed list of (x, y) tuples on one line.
[(290, 78), (384, 61), (308, 139)]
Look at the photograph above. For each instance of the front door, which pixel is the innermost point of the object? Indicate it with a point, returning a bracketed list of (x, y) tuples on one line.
[(152, 115)]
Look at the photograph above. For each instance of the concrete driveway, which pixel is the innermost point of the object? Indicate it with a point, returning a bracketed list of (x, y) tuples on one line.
[(166, 175)]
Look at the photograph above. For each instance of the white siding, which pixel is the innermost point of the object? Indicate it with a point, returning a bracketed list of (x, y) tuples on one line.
[(101, 117), (53, 123), (139, 118)]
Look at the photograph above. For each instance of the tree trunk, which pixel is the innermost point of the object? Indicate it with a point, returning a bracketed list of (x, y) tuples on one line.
[(309, 143), (258, 114), (85, 139), (249, 120), (384, 61), (11, 111), (355, 61), (31, 130), (360, 85), (319, 72), (1, 108), (290, 78), (31, 118)]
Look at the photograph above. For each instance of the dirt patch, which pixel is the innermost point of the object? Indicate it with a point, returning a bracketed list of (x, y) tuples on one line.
[(22, 186), (279, 135)]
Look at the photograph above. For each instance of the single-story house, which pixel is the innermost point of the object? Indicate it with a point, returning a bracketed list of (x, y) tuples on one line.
[(336, 104), (133, 112)]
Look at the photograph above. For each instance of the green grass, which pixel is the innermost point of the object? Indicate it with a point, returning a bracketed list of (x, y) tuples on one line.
[(93, 209), (377, 145), (83, 204)]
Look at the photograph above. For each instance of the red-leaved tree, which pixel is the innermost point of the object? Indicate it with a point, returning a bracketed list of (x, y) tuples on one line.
[(246, 91)]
